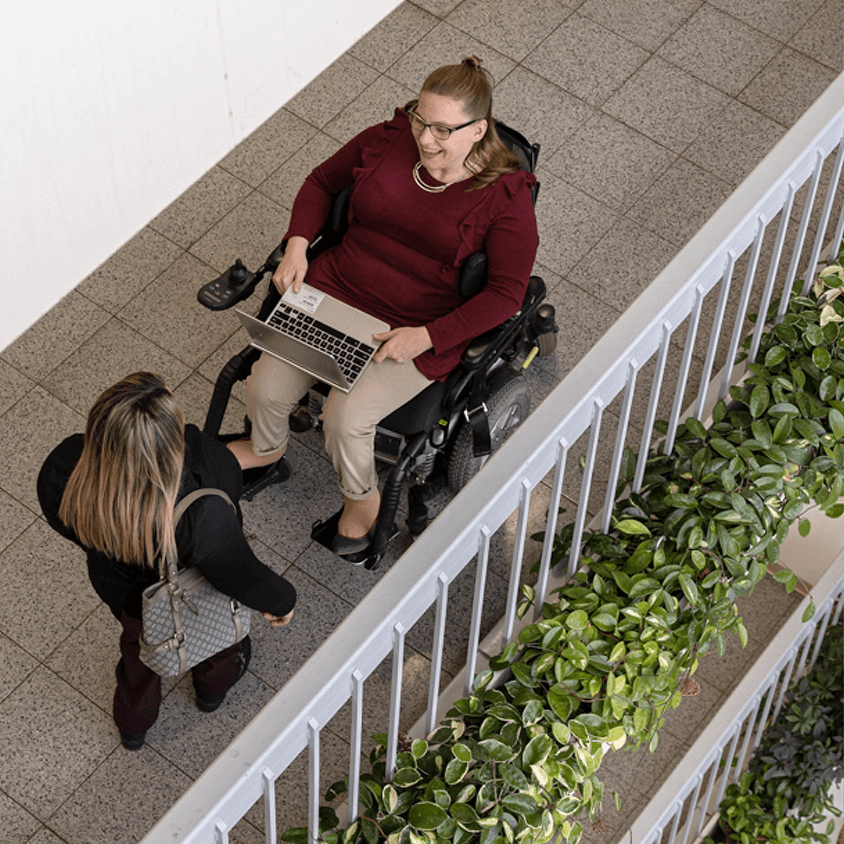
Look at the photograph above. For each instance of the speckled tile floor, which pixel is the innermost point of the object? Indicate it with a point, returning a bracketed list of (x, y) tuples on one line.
[(638, 104)]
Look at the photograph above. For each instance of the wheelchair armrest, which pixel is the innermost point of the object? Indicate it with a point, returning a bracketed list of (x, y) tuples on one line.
[(491, 343), (474, 352)]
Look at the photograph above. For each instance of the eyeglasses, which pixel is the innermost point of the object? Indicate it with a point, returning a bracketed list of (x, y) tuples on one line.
[(440, 132)]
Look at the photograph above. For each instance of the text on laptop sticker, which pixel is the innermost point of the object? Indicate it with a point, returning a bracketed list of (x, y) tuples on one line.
[(307, 299)]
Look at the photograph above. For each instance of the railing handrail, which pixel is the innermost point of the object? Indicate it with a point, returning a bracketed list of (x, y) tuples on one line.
[(236, 779)]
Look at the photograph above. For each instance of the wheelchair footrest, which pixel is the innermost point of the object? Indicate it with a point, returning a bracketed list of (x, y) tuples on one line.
[(254, 480)]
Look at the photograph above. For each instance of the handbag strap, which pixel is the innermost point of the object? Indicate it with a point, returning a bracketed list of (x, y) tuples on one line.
[(171, 574)]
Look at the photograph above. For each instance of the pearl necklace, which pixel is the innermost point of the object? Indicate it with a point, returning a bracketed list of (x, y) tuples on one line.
[(436, 188)]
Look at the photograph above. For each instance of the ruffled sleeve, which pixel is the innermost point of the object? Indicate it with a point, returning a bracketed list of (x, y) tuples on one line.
[(507, 193), (351, 163)]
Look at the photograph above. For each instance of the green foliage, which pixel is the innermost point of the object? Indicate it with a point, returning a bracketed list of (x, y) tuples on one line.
[(747, 818), (787, 789), (801, 755), (610, 651)]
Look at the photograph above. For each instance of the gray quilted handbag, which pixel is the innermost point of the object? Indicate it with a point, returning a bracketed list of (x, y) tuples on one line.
[(185, 619)]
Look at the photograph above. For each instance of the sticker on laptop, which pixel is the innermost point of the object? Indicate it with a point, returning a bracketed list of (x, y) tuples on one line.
[(307, 299)]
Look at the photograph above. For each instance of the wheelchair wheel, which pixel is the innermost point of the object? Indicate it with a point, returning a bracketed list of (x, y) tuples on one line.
[(547, 343), (507, 408)]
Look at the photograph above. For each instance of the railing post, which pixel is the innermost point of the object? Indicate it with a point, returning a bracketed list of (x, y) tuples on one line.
[(355, 744), (395, 700), (516, 565), (586, 484), (477, 610), (551, 527), (437, 653), (313, 781)]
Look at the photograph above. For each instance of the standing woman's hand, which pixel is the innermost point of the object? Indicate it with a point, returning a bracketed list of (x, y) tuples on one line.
[(293, 267), (278, 620)]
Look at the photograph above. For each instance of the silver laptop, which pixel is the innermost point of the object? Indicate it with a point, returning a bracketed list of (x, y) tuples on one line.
[(319, 334)]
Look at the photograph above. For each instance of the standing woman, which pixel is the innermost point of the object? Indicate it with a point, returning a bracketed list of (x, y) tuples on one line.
[(113, 490)]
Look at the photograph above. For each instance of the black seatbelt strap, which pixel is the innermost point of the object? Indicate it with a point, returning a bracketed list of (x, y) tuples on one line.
[(477, 416)]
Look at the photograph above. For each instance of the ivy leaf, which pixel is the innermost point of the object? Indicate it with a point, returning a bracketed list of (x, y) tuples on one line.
[(786, 577), (578, 620), (695, 539), (462, 752), (455, 770), (760, 398), (809, 612), (406, 777), (836, 421), (689, 589), (391, 798), (776, 354), (537, 750), (560, 701), (522, 674), (533, 712), (604, 622), (522, 804), (821, 357), (425, 816), (617, 737), (681, 500), (694, 427), (492, 750), (514, 777), (724, 448), (762, 431), (804, 526), (632, 528), (561, 732), (829, 314)]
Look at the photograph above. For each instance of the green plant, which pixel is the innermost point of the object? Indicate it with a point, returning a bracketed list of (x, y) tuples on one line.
[(612, 648), (801, 754), (747, 818)]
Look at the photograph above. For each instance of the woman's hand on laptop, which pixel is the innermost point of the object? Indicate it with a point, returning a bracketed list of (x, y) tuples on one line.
[(293, 267), (402, 344)]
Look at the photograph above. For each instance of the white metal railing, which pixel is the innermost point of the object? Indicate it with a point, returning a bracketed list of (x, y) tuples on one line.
[(541, 452)]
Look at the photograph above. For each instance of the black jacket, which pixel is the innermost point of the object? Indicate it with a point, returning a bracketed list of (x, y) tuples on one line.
[(209, 535)]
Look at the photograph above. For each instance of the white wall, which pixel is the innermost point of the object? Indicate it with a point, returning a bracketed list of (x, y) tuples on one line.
[(109, 109)]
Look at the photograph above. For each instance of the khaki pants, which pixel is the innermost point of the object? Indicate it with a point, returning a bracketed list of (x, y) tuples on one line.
[(349, 419)]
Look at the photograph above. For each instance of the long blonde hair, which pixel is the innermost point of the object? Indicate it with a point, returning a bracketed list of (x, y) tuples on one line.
[(120, 497), (472, 84)]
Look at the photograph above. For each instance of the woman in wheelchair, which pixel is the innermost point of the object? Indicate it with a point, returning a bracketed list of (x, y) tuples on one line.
[(431, 186)]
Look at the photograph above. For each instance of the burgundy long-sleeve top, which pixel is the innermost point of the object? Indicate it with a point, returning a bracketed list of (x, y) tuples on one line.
[(400, 258)]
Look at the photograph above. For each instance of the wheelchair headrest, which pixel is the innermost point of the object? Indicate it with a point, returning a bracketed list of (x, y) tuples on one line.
[(526, 153)]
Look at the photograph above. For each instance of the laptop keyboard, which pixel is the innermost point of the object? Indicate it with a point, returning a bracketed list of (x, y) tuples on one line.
[(351, 355)]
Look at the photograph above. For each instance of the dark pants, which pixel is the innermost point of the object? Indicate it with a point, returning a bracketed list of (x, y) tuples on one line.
[(137, 697)]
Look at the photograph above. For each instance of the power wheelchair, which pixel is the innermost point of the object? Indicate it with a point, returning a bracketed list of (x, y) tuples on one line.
[(459, 422)]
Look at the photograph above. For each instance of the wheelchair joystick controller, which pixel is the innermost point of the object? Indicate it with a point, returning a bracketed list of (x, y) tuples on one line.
[(231, 287)]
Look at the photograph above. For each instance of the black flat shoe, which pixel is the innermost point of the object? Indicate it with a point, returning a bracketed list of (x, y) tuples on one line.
[(132, 741), (344, 546), (260, 477)]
